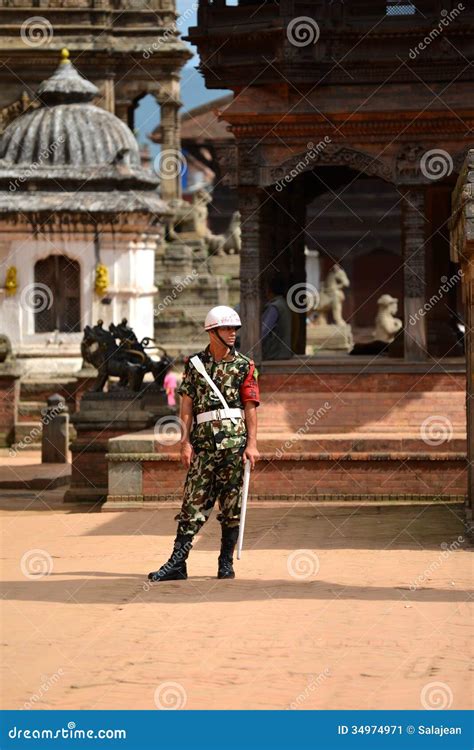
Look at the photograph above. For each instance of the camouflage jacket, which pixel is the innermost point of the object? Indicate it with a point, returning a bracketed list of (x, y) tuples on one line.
[(237, 381)]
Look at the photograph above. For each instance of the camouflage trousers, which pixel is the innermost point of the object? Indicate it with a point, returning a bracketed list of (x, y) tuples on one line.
[(212, 475)]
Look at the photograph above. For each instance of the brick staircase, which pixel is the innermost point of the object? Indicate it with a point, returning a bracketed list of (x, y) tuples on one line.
[(362, 421), (362, 435), (34, 393)]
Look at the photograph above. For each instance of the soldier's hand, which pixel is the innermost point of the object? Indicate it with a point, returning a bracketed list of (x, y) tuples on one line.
[(186, 454), (251, 454)]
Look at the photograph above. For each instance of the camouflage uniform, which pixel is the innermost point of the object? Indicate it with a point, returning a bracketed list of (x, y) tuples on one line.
[(216, 470)]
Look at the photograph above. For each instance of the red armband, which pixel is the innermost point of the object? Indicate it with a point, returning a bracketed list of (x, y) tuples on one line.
[(249, 390)]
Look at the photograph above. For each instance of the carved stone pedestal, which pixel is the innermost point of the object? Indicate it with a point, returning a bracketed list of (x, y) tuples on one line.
[(329, 337), (103, 416)]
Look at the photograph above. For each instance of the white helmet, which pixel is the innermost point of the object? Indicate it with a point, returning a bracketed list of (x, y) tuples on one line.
[(221, 316)]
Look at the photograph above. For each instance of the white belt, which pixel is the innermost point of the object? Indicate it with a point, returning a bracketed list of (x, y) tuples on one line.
[(208, 416)]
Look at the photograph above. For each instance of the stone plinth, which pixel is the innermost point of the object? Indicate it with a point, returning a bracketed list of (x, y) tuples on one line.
[(139, 476), (103, 416), (55, 434), (329, 337), (131, 461)]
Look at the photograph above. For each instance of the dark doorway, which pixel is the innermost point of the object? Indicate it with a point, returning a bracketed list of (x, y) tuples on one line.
[(354, 220), (57, 295)]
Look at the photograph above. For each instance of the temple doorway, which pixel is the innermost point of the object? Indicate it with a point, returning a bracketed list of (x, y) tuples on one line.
[(57, 289), (390, 246)]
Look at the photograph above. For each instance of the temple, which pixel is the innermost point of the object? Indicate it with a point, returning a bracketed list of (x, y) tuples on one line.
[(337, 166), (80, 221), (128, 50), (356, 159)]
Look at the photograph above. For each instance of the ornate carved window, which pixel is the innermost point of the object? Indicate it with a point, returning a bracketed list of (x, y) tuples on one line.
[(56, 295)]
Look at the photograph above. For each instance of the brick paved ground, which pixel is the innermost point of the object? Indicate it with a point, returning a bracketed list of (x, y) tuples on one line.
[(334, 607)]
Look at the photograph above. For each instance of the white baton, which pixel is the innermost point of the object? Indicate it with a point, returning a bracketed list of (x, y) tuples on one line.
[(243, 512)]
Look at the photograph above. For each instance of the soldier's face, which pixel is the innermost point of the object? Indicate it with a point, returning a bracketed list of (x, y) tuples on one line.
[(228, 333)]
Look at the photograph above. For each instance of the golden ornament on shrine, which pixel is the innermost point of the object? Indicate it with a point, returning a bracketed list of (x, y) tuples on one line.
[(101, 279), (11, 281)]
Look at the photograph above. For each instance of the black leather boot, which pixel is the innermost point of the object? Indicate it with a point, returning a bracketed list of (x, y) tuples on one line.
[(175, 569), (229, 540)]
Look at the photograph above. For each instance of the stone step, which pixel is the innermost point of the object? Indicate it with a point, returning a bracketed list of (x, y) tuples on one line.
[(40, 388), (34, 476), (28, 433), (359, 442), (29, 409), (352, 411), (314, 477), (141, 470)]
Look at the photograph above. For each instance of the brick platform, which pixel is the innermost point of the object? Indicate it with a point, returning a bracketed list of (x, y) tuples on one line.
[(338, 436)]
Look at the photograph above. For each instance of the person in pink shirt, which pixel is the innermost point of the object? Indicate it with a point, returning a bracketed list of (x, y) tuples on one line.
[(170, 384)]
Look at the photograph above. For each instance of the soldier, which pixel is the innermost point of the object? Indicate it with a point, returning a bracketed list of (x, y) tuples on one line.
[(215, 447)]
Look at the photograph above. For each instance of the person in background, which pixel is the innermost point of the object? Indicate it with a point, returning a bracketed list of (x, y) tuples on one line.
[(169, 385), (276, 322)]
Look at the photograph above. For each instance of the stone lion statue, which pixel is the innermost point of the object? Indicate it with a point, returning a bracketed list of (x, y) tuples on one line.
[(191, 219), (331, 296), (386, 324)]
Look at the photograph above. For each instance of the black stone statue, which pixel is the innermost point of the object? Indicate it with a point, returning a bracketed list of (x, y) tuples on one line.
[(126, 359), (137, 349)]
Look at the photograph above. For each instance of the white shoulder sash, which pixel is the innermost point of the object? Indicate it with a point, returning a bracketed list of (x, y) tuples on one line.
[(202, 371)]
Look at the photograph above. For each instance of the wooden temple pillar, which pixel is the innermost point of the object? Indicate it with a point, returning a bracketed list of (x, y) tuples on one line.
[(414, 272), (297, 228), (173, 162), (462, 252), (250, 202)]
